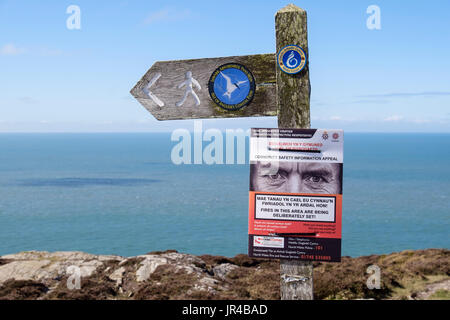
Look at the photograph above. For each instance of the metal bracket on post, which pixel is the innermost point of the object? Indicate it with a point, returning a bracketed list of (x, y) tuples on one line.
[(296, 280), (293, 278)]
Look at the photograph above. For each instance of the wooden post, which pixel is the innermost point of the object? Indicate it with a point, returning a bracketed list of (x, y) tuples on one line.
[(293, 101)]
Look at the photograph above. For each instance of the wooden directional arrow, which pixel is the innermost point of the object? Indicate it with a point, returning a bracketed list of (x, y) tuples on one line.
[(158, 90)]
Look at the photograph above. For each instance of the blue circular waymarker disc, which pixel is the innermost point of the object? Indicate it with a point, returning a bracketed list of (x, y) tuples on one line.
[(232, 86), (291, 59)]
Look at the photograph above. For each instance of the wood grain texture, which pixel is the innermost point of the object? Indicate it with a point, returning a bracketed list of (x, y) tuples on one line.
[(293, 100), (293, 91), (173, 73)]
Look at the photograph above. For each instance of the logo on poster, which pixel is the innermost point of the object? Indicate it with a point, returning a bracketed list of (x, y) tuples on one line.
[(268, 242)]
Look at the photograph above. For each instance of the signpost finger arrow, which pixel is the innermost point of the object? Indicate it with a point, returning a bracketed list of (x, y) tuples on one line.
[(210, 88)]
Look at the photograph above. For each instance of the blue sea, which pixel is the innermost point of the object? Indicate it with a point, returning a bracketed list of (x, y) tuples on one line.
[(121, 194)]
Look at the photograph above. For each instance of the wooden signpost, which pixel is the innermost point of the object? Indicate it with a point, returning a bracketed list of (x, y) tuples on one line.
[(188, 89)]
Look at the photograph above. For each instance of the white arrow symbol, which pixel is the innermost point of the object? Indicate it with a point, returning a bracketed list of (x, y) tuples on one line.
[(150, 94)]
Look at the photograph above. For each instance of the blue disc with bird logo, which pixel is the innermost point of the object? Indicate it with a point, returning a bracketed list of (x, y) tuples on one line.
[(232, 86)]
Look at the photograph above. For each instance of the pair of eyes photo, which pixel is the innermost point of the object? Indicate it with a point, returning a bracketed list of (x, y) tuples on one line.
[(281, 176), (296, 177)]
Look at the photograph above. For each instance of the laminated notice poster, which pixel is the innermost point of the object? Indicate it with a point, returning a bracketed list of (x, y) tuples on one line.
[(295, 199)]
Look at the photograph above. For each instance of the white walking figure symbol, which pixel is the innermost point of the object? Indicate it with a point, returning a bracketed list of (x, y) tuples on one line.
[(189, 83)]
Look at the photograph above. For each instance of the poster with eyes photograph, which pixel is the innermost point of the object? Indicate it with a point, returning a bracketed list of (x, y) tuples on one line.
[(295, 198)]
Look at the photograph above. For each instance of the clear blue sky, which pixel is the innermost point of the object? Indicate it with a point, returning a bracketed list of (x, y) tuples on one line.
[(55, 79)]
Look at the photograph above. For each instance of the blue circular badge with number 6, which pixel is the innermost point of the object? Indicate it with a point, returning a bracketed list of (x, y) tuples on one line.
[(291, 59)]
